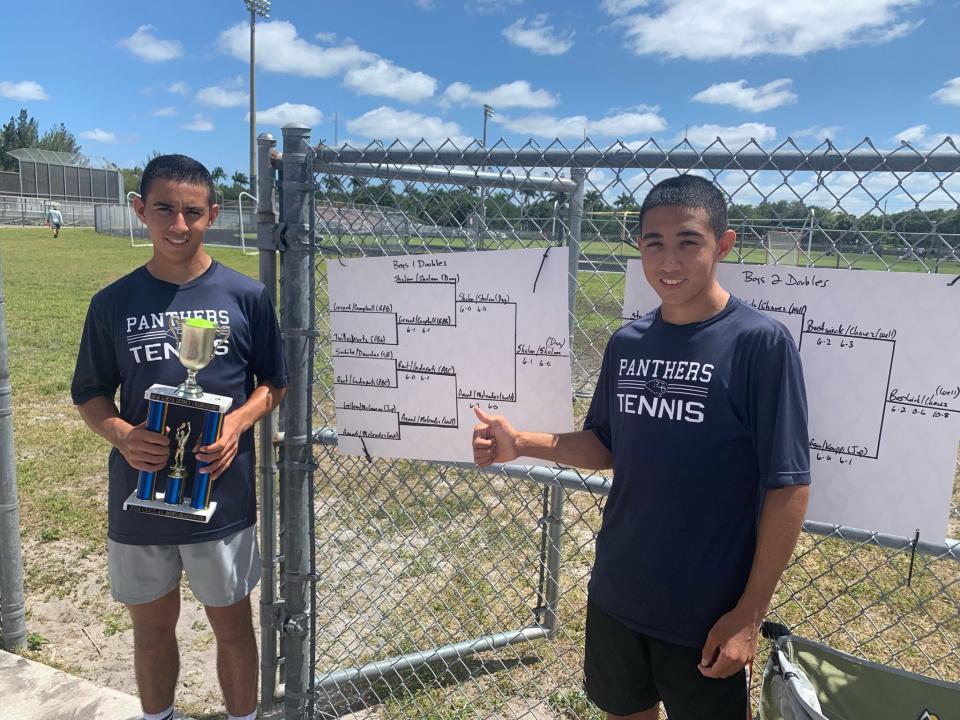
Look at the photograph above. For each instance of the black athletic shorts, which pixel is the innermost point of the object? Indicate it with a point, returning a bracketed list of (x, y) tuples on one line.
[(627, 672)]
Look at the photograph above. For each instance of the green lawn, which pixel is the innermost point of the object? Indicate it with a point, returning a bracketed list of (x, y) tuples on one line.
[(47, 285), (372, 514)]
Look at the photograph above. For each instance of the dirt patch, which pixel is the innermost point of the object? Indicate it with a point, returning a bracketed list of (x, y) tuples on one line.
[(75, 625)]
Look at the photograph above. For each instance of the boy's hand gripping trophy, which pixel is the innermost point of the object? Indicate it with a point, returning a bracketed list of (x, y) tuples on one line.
[(196, 345)]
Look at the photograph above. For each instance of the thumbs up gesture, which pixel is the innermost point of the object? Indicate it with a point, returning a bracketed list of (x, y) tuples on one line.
[(494, 439)]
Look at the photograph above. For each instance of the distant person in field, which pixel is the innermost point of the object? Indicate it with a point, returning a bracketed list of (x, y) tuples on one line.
[(125, 346), (55, 219), (701, 411)]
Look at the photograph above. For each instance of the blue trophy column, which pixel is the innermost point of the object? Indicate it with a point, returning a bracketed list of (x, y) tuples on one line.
[(156, 422), (212, 422)]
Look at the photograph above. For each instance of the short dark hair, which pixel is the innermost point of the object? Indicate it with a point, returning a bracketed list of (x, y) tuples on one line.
[(688, 191), (179, 168)]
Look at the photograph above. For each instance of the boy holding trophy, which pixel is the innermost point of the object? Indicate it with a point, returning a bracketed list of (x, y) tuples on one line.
[(127, 343)]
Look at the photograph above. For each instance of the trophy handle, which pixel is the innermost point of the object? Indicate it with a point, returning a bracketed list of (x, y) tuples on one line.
[(175, 324), (220, 335)]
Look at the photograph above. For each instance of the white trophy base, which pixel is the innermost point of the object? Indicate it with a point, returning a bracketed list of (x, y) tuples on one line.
[(157, 506)]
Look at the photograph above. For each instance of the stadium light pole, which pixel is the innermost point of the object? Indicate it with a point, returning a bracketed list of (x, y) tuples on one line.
[(257, 8), (487, 113)]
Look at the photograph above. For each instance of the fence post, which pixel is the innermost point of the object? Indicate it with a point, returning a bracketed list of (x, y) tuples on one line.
[(297, 324), (266, 221), (12, 608), (554, 519)]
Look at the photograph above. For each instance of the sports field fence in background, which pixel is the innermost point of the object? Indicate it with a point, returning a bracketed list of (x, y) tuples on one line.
[(434, 590)]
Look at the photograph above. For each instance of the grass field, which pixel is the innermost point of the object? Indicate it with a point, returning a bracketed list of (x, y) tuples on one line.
[(414, 555)]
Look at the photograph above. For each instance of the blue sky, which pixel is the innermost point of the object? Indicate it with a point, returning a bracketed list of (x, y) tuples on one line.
[(131, 78)]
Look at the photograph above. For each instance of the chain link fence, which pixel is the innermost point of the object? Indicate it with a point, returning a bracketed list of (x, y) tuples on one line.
[(27, 211), (234, 227), (432, 590)]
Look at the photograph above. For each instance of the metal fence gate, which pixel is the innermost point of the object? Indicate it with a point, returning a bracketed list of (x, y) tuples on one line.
[(401, 589)]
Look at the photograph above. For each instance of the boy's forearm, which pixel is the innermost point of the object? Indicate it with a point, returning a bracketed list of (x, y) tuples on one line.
[(262, 401), (102, 416), (780, 523), (578, 449)]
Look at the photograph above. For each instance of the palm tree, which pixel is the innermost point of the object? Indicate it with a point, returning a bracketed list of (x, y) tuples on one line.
[(357, 187), (239, 179), (218, 175), (332, 184), (625, 202)]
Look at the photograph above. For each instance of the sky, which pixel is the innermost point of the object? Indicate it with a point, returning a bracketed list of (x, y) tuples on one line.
[(130, 79)]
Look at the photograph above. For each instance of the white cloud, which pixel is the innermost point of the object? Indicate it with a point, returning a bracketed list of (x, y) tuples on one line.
[(756, 99), (425, 4), (918, 136), (949, 94), (818, 132), (168, 111), (538, 37), (149, 48), (621, 7), (384, 79), (198, 124), (24, 90), (731, 136), (643, 121), (911, 134), (518, 93), (178, 88), (281, 49), (688, 28), (490, 7), (222, 97), (289, 112), (386, 123), (98, 135), (326, 37)]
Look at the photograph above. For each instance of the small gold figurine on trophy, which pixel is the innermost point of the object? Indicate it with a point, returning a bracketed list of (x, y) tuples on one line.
[(177, 477)]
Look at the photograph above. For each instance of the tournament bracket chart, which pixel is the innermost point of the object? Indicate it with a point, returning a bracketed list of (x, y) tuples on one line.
[(879, 353), (419, 340)]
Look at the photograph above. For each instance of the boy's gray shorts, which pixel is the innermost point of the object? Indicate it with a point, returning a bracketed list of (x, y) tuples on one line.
[(221, 572)]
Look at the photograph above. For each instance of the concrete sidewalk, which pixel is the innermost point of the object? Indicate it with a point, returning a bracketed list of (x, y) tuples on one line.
[(31, 691)]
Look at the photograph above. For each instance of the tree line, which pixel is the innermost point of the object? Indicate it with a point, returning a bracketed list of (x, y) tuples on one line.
[(455, 206), (525, 210), (23, 131)]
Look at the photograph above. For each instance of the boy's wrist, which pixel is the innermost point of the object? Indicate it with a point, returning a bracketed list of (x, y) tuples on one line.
[(115, 429), (534, 444), (522, 442), (752, 608)]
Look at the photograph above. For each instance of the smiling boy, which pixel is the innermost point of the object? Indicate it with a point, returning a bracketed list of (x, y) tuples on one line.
[(125, 345), (700, 409)]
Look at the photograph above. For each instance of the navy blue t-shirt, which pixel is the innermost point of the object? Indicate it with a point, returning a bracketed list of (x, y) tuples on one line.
[(126, 345), (701, 419)]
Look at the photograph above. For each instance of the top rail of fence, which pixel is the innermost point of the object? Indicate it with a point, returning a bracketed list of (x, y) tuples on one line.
[(785, 158)]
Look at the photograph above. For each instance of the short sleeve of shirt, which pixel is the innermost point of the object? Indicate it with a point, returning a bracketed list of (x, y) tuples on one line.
[(96, 372), (267, 361), (598, 417), (779, 415)]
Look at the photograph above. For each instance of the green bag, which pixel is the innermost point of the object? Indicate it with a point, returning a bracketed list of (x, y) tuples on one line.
[(805, 680)]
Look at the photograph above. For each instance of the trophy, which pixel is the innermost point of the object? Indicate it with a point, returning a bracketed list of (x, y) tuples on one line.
[(196, 345)]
